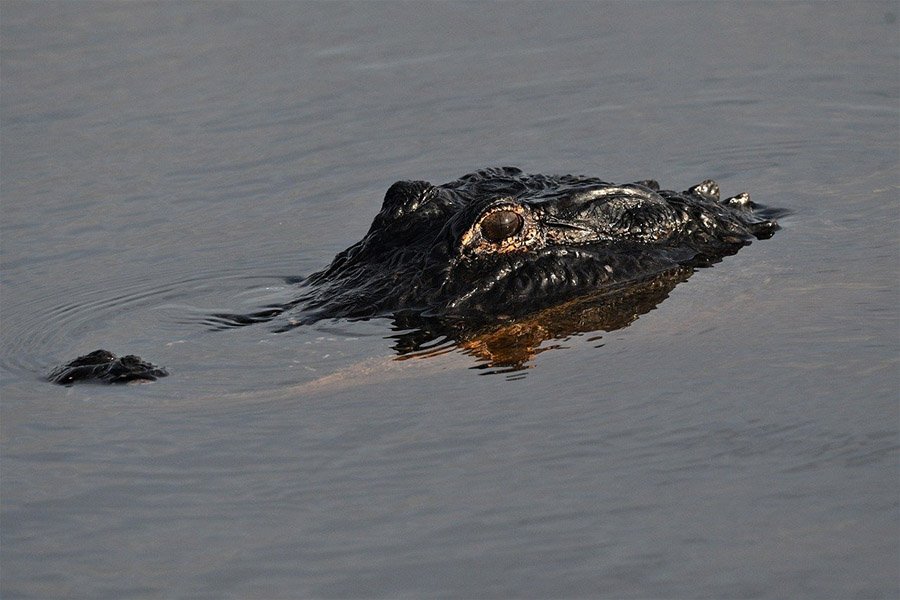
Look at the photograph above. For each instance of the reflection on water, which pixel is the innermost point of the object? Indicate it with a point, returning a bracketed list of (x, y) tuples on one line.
[(506, 345), (511, 344)]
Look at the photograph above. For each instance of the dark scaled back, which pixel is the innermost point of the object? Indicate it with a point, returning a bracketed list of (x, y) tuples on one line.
[(101, 366)]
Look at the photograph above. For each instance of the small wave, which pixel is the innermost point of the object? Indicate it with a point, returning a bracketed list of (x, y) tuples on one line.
[(135, 311)]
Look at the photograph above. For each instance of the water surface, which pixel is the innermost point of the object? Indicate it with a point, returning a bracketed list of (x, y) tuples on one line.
[(161, 162)]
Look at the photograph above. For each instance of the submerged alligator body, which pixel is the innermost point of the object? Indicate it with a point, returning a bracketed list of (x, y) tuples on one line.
[(105, 367), (499, 246)]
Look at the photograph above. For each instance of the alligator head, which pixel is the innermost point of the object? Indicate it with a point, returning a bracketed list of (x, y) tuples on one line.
[(501, 243)]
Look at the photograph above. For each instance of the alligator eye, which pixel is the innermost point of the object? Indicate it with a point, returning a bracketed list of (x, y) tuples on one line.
[(500, 225)]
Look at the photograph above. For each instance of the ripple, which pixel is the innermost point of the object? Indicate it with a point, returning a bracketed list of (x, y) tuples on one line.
[(136, 311)]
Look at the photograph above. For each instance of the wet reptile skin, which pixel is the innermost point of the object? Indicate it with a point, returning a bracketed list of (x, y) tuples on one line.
[(499, 244)]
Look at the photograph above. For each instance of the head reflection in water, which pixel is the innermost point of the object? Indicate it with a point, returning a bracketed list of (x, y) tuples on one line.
[(509, 345)]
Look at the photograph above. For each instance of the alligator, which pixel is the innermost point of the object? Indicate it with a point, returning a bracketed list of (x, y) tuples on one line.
[(497, 247)]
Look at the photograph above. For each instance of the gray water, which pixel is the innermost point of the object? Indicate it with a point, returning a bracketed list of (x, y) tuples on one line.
[(161, 162)]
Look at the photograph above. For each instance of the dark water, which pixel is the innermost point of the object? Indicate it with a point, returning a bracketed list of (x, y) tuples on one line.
[(161, 162)]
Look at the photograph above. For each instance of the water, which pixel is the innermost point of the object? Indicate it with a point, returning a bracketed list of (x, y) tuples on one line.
[(161, 162)]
